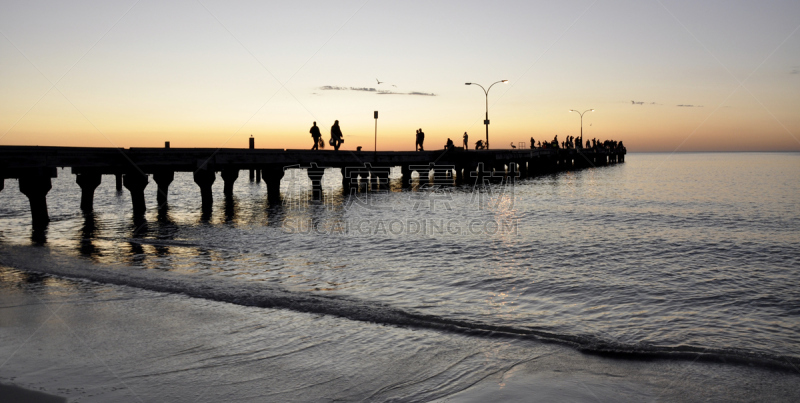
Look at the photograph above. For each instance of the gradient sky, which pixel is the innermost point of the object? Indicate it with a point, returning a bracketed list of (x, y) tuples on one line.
[(662, 75)]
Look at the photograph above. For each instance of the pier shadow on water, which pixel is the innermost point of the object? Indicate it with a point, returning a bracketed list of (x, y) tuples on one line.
[(88, 233), (39, 235)]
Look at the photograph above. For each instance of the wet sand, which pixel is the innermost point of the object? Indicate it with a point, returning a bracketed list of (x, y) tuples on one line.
[(15, 394)]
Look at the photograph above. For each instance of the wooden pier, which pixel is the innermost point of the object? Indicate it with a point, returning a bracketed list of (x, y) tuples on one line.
[(132, 167)]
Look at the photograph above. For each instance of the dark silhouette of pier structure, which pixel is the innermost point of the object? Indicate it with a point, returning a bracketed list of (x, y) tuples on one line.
[(133, 168)]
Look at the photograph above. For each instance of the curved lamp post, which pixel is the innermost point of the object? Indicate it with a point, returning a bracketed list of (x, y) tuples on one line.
[(581, 113), (486, 92)]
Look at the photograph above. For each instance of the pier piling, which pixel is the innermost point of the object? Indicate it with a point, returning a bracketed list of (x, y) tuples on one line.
[(272, 177), (315, 174), (35, 186), (205, 178), (163, 179), (229, 176), (405, 174), (88, 181), (346, 181), (135, 182)]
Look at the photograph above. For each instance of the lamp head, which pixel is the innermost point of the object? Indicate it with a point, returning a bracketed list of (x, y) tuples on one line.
[(592, 110), (467, 83), (504, 81)]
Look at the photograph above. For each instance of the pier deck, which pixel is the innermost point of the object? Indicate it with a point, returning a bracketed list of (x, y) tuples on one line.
[(34, 167)]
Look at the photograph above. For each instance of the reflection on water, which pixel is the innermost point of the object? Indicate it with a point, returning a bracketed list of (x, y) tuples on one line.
[(39, 235), (88, 232), (230, 208), (163, 213), (595, 251)]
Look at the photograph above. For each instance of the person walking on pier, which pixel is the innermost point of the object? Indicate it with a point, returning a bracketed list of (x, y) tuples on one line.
[(315, 134), (466, 141), (336, 136), (533, 143), (420, 140)]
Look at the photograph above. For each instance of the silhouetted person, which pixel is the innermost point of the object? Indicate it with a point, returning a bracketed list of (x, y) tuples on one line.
[(315, 134), (466, 141), (533, 143), (449, 145), (336, 136), (420, 140), (479, 145)]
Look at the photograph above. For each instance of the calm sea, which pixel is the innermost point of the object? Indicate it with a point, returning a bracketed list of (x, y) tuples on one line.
[(398, 294)]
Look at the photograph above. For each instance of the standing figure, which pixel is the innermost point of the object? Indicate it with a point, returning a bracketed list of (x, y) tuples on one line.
[(420, 139), (315, 134), (533, 143), (466, 141), (336, 136)]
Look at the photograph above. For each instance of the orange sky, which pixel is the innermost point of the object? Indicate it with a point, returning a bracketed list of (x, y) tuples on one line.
[(130, 74)]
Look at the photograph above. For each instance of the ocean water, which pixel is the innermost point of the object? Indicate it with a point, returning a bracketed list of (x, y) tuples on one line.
[(637, 281)]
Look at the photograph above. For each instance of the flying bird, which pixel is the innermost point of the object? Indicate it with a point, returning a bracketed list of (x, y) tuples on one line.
[(379, 81)]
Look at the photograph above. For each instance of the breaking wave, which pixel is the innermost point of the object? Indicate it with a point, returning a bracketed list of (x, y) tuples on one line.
[(259, 294)]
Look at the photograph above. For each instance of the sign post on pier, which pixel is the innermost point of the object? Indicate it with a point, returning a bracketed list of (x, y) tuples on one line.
[(376, 133)]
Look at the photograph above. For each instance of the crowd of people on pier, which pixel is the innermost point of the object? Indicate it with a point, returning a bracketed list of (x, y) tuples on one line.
[(571, 142)]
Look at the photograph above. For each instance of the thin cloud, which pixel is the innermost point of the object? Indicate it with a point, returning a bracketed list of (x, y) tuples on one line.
[(795, 71), (643, 102), (373, 90), (690, 106)]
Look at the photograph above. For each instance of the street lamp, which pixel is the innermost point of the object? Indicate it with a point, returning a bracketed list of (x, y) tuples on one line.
[(581, 113), (486, 121)]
